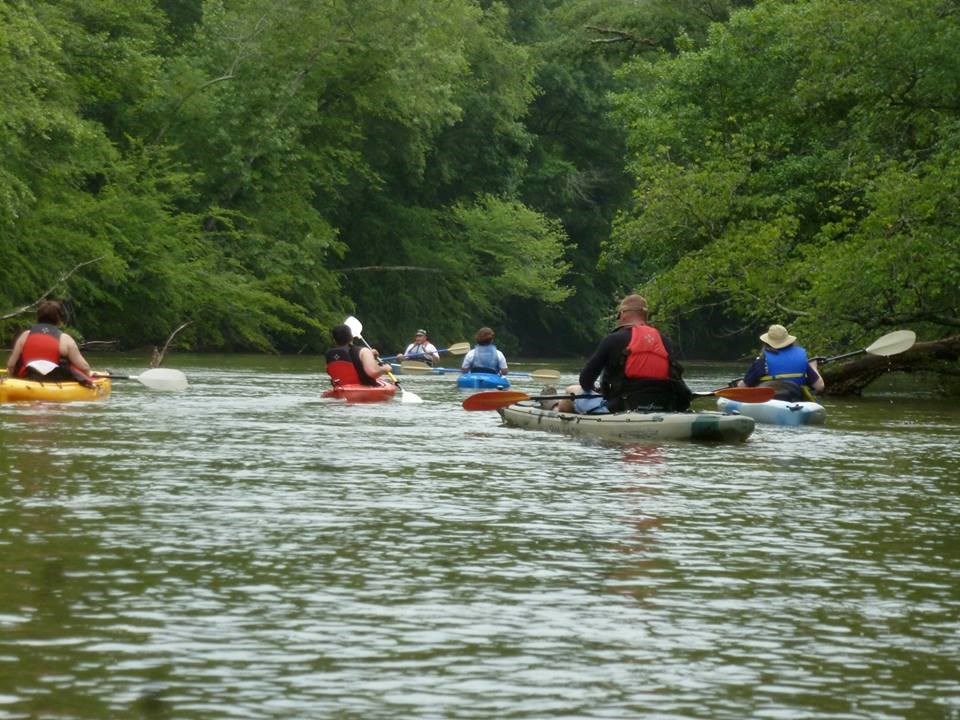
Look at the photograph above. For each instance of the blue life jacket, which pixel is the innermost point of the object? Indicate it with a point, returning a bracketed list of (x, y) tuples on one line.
[(789, 363), (485, 359)]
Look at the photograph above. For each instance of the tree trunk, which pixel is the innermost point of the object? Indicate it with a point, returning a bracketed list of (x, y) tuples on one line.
[(850, 378)]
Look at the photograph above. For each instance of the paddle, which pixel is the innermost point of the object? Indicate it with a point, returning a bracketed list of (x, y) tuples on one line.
[(155, 378), (412, 367), (544, 374), (460, 348), (356, 327), (501, 398), (890, 344)]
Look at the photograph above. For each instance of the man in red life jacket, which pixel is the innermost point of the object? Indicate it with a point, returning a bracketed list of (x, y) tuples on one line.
[(349, 364), (46, 341), (637, 366)]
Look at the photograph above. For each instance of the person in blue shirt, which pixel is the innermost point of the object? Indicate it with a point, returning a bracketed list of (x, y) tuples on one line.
[(484, 358), (783, 365)]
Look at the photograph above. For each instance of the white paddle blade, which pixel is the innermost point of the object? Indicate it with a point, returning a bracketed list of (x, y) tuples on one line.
[(460, 348), (408, 398), (44, 367), (893, 343), (356, 327), (162, 379)]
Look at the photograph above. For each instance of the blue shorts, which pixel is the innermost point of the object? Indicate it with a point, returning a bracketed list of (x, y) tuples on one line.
[(595, 404)]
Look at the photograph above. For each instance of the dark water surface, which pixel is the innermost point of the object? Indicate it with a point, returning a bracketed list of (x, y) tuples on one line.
[(248, 550)]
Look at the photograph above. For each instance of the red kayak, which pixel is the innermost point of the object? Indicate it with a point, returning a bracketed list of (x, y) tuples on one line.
[(362, 393)]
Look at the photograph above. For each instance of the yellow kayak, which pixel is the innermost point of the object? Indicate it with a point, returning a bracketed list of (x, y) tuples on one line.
[(20, 390)]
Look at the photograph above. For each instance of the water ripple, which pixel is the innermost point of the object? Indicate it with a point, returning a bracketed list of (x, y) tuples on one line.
[(248, 549)]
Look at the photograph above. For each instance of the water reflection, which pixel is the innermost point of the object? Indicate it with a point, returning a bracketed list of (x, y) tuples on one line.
[(248, 549)]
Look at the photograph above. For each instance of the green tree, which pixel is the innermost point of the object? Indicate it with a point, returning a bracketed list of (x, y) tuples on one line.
[(801, 168)]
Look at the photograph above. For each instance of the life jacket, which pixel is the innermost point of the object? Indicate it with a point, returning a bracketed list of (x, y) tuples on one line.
[(789, 363), (42, 343), (485, 359), (641, 377), (423, 355), (344, 366), (646, 355)]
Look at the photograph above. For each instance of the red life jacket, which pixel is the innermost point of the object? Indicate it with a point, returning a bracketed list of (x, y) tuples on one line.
[(344, 367), (646, 355), (43, 343)]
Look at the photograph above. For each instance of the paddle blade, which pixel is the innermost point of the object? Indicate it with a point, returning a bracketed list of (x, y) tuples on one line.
[(893, 343), (745, 394), (545, 374), (493, 399), (162, 379), (356, 327), (460, 348), (412, 367), (407, 397)]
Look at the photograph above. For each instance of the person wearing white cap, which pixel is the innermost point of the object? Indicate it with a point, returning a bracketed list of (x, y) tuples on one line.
[(784, 365), (421, 349)]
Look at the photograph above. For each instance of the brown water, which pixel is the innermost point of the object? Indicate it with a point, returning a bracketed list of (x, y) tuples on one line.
[(248, 550)]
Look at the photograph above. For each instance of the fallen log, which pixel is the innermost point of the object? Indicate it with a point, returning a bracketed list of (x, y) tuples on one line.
[(934, 356)]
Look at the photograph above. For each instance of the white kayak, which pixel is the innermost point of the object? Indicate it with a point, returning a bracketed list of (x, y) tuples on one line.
[(777, 412), (633, 426)]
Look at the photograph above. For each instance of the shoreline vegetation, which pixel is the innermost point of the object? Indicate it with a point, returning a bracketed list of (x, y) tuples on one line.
[(186, 176)]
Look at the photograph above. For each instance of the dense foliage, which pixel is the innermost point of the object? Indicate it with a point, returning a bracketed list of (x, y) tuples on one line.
[(802, 167), (261, 170)]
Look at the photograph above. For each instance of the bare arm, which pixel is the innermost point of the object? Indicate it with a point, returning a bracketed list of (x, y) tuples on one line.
[(70, 350), (370, 365), (15, 353), (818, 385)]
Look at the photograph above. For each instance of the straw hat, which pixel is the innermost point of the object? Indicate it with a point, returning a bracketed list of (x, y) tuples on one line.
[(777, 337), (633, 303)]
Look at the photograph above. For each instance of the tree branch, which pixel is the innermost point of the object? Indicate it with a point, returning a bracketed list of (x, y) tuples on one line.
[(615, 35), (389, 268), (157, 358), (60, 281)]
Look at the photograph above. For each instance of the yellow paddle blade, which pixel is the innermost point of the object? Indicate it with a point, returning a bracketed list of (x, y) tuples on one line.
[(545, 374), (412, 367)]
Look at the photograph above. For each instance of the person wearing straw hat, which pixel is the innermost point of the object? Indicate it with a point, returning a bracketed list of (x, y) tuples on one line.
[(636, 366), (421, 349), (783, 365)]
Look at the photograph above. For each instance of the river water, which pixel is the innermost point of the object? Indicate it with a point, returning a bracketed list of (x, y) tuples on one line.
[(245, 549)]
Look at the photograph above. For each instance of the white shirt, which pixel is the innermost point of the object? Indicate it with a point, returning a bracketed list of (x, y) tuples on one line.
[(468, 360), (427, 348)]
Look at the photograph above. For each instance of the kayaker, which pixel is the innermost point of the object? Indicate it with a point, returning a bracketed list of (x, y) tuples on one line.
[(421, 349), (784, 365), (484, 357), (46, 341), (638, 369), (349, 364)]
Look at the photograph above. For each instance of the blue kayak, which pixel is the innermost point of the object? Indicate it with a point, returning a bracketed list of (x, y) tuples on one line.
[(777, 412), (482, 381)]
